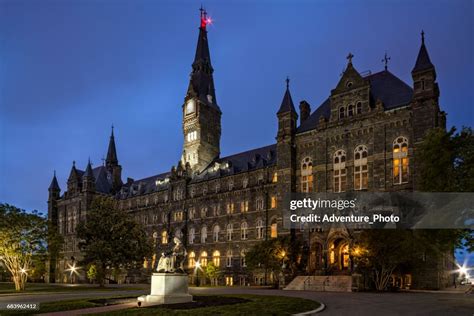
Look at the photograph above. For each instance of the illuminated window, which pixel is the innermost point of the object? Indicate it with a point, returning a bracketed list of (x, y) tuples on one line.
[(178, 216), (190, 106), (273, 202), (203, 235), (228, 260), (307, 175), (340, 171), (230, 208), (361, 171), (259, 228), (244, 230), (192, 235), (192, 260), (400, 160), (345, 256), (230, 229), (244, 206), (164, 237), (229, 280), (215, 234), (191, 136), (275, 177), (216, 258), (274, 230), (203, 259)]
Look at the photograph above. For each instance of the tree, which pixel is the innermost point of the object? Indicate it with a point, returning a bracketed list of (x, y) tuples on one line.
[(92, 273), (111, 238), (212, 271), (23, 235)]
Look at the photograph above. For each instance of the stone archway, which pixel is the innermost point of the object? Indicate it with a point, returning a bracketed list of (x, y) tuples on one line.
[(338, 255)]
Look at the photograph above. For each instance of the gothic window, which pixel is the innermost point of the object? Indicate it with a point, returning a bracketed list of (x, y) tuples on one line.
[(192, 260), (361, 171), (190, 106), (192, 235), (307, 175), (216, 209), (178, 216), (259, 228), (192, 213), (342, 111), (259, 203), (230, 208), (340, 171), (204, 212), (164, 237), (245, 182), (244, 206), (350, 110), (273, 202), (359, 107), (215, 234), (229, 258), (216, 258), (244, 230), (231, 185), (400, 160), (203, 234), (274, 229), (275, 177), (191, 136), (230, 229), (243, 262), (203, 259)]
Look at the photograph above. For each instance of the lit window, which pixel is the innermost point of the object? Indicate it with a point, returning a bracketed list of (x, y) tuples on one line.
[(229, 281), (259, 228), (307, 175), (191, 136), (361, 172), (400, 160), (244, 230), (192, 260), (215, 233), (273, 202), (274, 230), (203, 259), (203, 235), (190, 106), (275, 177), (340, 171), (230, 208), (216, 258), (230, 230), (244, 206), (164, 237)]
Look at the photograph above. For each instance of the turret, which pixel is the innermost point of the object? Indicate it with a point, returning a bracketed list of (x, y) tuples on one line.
[(74, 181), (88, 180), (112, 164)]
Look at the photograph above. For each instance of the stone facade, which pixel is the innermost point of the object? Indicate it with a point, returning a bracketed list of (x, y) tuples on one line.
[(363, 137)]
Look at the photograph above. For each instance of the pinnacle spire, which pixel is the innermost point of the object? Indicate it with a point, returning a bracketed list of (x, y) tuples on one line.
[(423, 61), (54, 183), (112, 152), (287, 102), (73, 175), (89, 172)]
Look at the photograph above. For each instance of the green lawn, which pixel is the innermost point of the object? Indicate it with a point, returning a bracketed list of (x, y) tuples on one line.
[(6, 288), (251, 305)]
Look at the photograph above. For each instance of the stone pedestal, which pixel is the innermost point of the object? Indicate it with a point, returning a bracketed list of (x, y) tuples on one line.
[(167, 288)]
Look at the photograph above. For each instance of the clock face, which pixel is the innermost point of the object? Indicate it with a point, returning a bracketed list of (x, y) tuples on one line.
[(190, 106)]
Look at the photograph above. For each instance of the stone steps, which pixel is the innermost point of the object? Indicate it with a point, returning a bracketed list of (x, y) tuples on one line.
[(331, 283)]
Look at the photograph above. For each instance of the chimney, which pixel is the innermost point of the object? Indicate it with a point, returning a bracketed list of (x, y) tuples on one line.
[(305, 110)]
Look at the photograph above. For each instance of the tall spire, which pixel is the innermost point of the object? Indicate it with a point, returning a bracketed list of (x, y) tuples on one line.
[(112, 152), (89, 173), (201, 84), (287, 102), (423, 61)]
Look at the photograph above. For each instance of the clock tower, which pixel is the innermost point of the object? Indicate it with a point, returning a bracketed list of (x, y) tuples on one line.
[(201, 114)]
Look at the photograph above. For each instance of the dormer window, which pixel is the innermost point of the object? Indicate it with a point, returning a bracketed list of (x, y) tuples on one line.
[(349, 84)]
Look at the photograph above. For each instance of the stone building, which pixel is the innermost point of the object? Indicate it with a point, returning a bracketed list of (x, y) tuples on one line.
[(362, 137)]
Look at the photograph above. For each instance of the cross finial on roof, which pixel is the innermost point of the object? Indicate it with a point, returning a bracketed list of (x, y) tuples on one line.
[(349, 58), (203, 17), (74, 163), (422, 37), (287, 82), (385, 60)]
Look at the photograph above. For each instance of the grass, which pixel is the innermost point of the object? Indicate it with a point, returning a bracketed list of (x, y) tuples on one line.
[(6, 288), (248, 305)]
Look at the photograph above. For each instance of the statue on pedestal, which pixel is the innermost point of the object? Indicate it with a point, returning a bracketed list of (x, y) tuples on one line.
[(173, 261)]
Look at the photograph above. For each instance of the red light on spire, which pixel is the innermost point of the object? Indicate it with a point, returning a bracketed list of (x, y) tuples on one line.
[(205, 20)]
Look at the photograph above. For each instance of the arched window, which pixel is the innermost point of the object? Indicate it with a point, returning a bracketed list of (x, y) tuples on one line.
[(215, 234), (216, 258), (339, 171), (361, 171), (307, 175), (228, 260), (342, 111), (203, 234), (400, 160), (359, 108), (244, 230), (350, 110), (243, 263), (203, 259), (259, 228), (230, 229), (274, 229), (192, 260), (164, 237), (192, 235)]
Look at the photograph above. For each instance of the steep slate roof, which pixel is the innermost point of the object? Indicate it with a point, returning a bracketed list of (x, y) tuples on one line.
[(245, 161), (287, 103), (143, 186), (54, 183), (102, 182), (423, 61), (384, 85)]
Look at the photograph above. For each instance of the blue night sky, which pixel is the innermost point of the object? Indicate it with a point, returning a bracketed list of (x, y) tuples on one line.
[(69, 69)]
